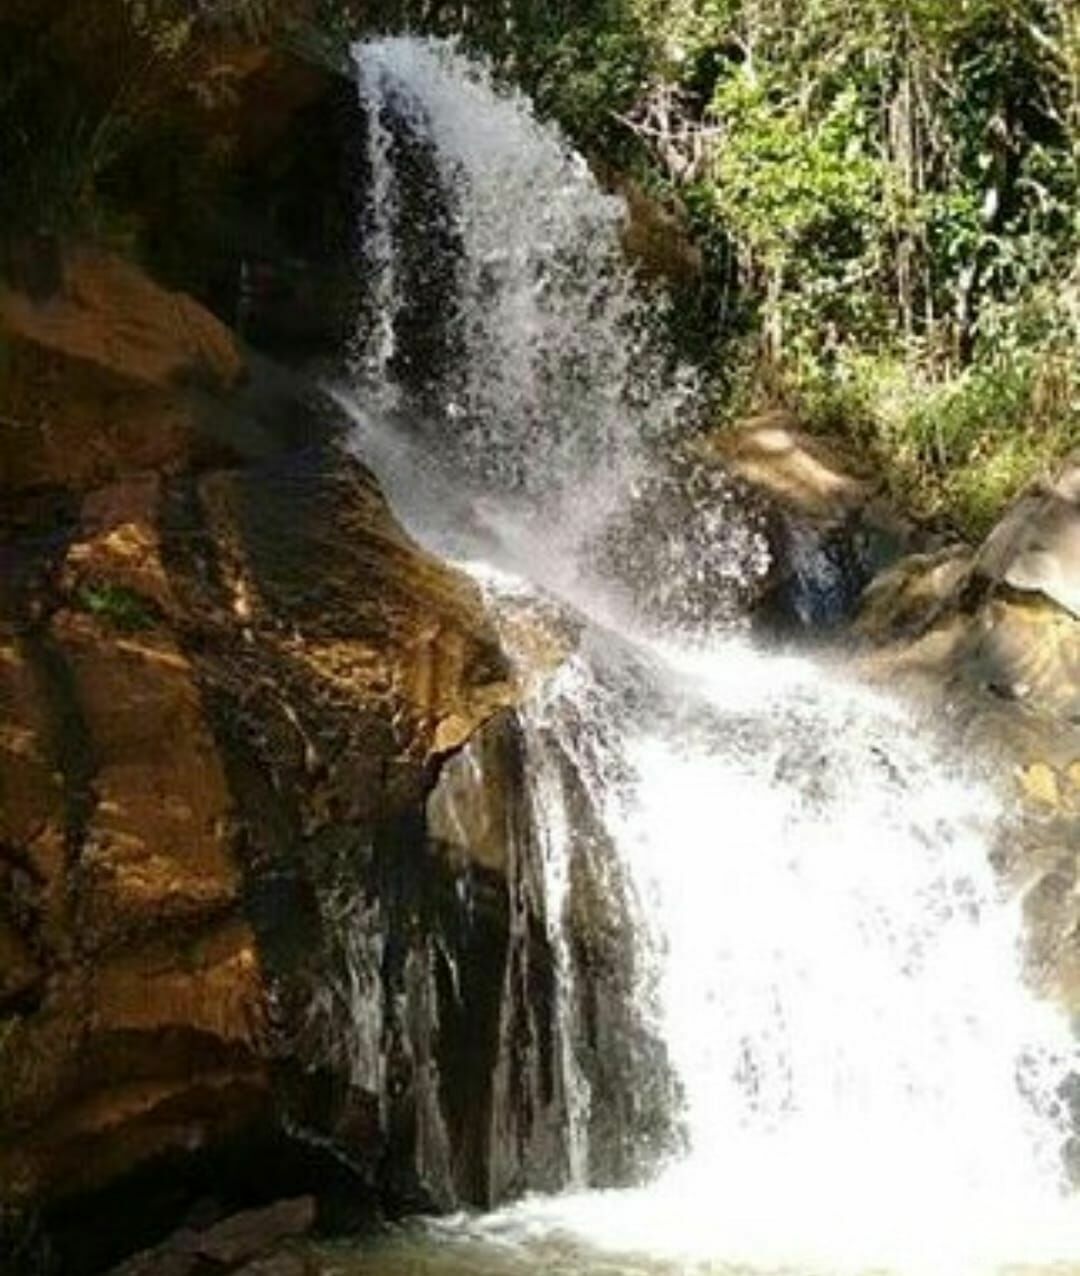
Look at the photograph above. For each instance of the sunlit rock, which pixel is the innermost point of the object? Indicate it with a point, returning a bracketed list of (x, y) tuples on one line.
[(992, 619), (226, 694), (106, 373), (1035, 548), (826, 527)]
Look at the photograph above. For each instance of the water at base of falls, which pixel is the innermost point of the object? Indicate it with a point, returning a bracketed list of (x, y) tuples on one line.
[(863, 1081), (542, 1241)]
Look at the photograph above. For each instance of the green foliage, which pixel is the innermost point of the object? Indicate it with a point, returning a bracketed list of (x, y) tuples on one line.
[(68, 114), (887, 191), (898, 185), (122, 608), (959, 447), (588, 77), (783, 187)]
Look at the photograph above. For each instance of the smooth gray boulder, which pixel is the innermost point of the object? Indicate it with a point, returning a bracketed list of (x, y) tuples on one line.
[(1035, 548)]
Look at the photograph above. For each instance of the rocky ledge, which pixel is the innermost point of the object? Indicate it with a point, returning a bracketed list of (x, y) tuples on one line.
[(229, 684), (986, 639), (992, 633)]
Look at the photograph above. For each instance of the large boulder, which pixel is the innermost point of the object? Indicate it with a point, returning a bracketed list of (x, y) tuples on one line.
[(105, 373), (211, 676), (1002, 618), (252, 1241), (827, 527), (993, 633), (230, 683), (1035, 548)]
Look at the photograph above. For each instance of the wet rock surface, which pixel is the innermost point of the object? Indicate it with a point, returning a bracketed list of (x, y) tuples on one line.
[(827, 529), (234, 958), (989, 633), (986, 638), (249, 1242)]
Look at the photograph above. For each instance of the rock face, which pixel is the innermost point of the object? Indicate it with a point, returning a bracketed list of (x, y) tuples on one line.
[(1035, 549), (655, 238), (1001, 618), (989, 637), (102, 369), (251, 1241), (996, 630), (229, 683), (827, 530)]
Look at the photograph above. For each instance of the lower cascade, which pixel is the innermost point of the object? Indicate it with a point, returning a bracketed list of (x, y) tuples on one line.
[(830, 1058)]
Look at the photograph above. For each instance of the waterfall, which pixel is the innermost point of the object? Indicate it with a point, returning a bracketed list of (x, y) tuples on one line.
[(821, 948)]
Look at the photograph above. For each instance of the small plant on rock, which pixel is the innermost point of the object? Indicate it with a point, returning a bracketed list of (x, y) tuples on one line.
[(122, 608)]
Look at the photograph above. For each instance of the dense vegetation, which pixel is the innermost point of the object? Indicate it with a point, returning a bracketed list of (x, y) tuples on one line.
[(888, 192), (891, 193)]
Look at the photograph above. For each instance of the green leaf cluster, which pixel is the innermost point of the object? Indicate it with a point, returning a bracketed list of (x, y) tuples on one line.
[(122, 608)]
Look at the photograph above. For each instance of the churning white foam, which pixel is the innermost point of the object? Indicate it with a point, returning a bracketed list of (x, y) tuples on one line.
[(829, 958)]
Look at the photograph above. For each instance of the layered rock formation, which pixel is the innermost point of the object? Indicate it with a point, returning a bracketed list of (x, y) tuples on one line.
[(987, 637), (229, 685), (996, 630), (1003, 617)]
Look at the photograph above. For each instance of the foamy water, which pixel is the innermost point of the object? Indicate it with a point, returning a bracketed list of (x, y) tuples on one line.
[(866, 1084)]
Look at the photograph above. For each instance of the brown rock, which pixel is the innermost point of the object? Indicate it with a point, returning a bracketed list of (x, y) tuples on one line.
[(30, 788), (108, 314), (382, 622), (982, 630), (120, 542), (236, 1240), (908, 598), (225, 697), (155, 845), (340, 659), (19, 972), (103, 374), (997, 618), (101, 1138), (827, 528), (655, 235), (253, 1233), (933, 614), (217, 991), (656, 239), (1040, 784), (798, 470)]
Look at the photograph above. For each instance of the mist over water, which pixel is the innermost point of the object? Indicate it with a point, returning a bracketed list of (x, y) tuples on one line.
[(863, 1081)]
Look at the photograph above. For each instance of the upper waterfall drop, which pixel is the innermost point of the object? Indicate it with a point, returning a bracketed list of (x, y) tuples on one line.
[(540, 332), (504, 339), (823, 947)]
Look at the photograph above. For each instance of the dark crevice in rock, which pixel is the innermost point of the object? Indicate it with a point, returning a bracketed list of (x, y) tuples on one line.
[(197, 1187), (70, 744)]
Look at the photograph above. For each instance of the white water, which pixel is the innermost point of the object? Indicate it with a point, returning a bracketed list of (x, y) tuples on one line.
[(830, 960)]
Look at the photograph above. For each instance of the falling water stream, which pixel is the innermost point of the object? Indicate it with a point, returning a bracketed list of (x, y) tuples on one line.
[(863, 1081)]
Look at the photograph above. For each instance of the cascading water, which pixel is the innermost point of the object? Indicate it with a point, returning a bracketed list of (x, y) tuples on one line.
[(821, 944)]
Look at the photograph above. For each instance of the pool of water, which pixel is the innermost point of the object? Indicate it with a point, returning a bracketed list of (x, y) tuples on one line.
[(621, 1234), (423, 1251)]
